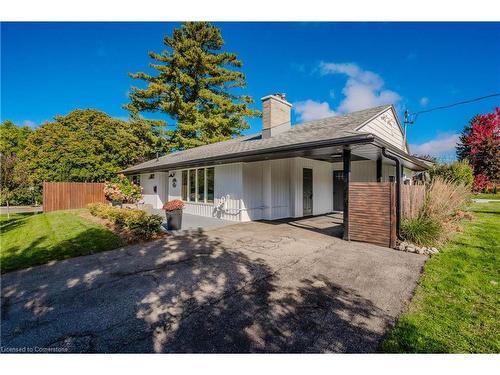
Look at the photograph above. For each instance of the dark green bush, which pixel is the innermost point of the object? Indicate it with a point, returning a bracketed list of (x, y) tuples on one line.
[(422, 231), (137, 221)]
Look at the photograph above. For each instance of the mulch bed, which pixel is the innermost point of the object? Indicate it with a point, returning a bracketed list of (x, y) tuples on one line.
[(125, 234)]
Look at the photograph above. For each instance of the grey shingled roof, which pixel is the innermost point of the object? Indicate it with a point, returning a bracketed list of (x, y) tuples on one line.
[(328, 128)]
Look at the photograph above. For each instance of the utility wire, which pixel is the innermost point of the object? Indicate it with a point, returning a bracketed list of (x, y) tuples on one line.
[(415, 114), (458, 103)]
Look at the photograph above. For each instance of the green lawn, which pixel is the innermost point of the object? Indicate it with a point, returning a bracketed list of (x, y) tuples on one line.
[(486, 196), (456, 308), (27, 240)]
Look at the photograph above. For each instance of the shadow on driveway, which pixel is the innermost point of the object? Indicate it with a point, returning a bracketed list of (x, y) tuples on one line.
[(221, 291)]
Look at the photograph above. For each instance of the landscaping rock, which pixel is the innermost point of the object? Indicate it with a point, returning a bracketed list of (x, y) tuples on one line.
[(412, 248)]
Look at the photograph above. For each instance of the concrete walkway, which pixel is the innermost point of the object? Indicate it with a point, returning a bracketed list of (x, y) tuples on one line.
[(253, 287)]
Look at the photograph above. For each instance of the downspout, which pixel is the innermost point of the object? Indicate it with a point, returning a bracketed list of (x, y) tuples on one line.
[(398, 192)]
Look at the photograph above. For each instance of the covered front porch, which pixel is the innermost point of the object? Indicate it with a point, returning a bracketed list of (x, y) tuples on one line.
[(309, 181)]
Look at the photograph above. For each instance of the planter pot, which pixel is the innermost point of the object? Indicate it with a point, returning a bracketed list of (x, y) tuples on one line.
[(174, 219)]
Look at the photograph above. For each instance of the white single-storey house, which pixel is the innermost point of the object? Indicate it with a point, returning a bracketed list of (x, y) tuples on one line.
[(286, 171)]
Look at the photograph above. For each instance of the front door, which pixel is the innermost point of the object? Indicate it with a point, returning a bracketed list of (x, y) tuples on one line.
[(338, 190), (307, 191)]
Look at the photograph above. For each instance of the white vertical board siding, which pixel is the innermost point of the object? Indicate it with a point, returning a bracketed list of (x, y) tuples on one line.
[(175, 192), (229, 190), (386, 127), (200, 209), (252, 202), (280, 188), (387, 171), (266, 190), (228, 186), (322, 186), (148, 195), (364, 171)]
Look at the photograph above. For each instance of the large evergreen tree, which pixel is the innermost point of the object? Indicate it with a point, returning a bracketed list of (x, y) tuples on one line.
[(197, 86)]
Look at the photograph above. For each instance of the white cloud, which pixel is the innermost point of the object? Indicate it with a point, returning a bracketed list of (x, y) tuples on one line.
[(309, 110), (424, 101), (29, 123), (363, 89), (442, 145)]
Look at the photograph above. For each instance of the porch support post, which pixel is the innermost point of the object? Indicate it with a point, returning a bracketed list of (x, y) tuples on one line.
[(379, 169), (346, 158)]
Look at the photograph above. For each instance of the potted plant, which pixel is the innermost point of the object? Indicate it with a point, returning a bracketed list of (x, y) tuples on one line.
[(120, 190), (173, 212)]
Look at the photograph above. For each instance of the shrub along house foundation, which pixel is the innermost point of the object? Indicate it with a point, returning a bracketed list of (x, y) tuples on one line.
[(350, 163)]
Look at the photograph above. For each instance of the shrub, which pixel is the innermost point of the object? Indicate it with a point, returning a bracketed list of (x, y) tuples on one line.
[(444, 198), (438, 216), (121, 189), (422, 230), (481, 184), (176, 204), (459, 172), (137, 221), (145, 226)]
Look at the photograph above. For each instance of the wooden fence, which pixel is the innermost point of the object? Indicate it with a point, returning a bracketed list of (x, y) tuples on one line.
[(372, 213), (412, 200), (71, 195)]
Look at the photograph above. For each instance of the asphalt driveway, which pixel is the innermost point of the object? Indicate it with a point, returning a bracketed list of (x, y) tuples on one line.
[(253, 287)]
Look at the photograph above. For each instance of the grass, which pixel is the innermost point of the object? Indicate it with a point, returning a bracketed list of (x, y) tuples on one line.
[(28, 240), (421, 231), (486, 196), (456, 307)]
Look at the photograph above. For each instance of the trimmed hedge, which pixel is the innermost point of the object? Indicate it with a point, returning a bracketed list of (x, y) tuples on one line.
[(137, 221)]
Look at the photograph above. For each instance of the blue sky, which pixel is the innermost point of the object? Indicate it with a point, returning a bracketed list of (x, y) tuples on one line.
[(49, 69)]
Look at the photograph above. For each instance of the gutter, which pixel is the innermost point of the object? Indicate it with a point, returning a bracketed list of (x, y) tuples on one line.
[(398, 192), (270, 153)]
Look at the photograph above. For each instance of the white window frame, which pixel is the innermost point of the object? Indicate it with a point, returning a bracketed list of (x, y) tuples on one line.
[(205, 187)]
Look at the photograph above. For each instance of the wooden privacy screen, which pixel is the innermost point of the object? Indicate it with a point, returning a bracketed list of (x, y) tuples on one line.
[(372, 213), (70, 195)]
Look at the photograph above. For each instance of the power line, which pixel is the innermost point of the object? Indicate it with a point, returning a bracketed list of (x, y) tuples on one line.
[(457, 103), (415, 114)]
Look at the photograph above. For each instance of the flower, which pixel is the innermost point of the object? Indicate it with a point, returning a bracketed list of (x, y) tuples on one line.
[(122, 190), (174, 205)]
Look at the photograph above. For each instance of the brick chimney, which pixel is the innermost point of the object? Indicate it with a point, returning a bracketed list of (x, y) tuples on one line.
[(276, 115)]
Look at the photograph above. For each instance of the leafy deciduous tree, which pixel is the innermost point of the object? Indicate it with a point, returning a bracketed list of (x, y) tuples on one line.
[(480, 144), (87, 145), (13, 181), (458, 172)]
